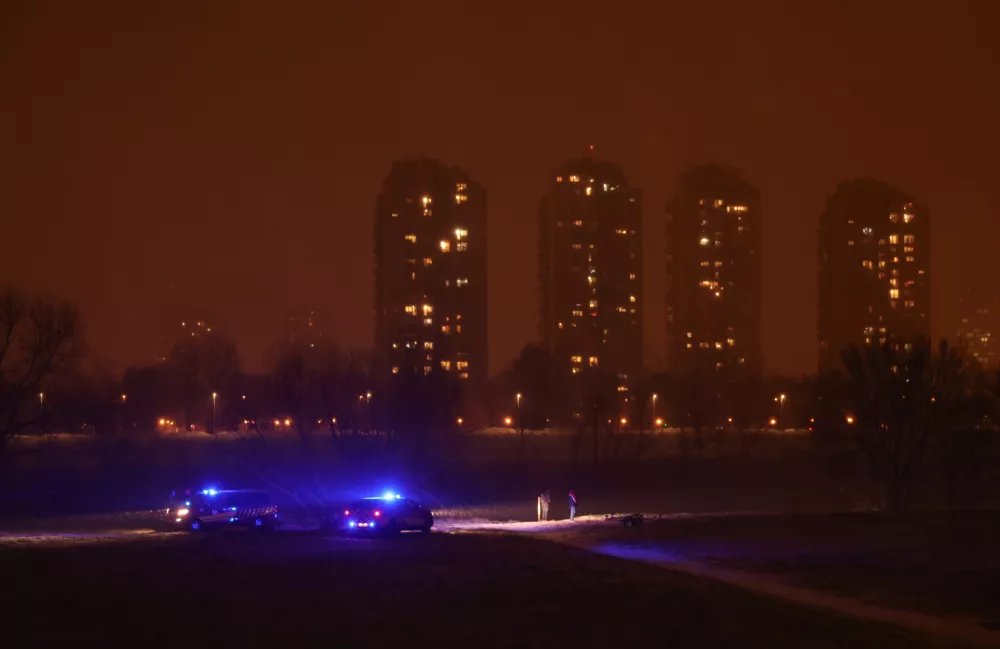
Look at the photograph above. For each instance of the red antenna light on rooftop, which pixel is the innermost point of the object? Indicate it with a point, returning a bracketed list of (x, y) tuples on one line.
[(591, 147)]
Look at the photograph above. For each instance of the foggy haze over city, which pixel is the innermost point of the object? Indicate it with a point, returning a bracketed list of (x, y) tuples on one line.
[(171, 161)]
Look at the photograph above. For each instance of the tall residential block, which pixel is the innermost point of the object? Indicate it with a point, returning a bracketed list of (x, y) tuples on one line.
[(714, 273), (430, 271), (874, 269), (590, 270)]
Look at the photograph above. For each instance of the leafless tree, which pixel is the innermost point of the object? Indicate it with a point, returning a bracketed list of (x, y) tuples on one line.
[(38, 340)]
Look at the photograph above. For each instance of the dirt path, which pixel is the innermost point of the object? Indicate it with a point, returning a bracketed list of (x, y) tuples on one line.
[(950, 629)]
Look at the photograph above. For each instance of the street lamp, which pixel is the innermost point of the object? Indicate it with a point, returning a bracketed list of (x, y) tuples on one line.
[(41, 399), (215, 395), (124, 398), (781, 401), (520, 421), (654, 406)]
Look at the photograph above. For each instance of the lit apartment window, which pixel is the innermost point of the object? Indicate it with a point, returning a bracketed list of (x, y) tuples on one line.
[(574, 179), (867, 264), (688, 345), (462, 246), (621, 231), (731, 342), (894, 294), (427, 370), (588, 190), (445, 245), (411, 309), (631, 298), (446, 366), (850, 242), (464, 376), (909, 304), (461, 365), (894, 218), (717, 202), (577, 313), (460, 187), (461, 233), (576, 359), (578, 223), (577, 246), (703, 241), (560, 325), (446, 329), (911, 259), (458, 329), (592, 361), (461, 198), (866, 231), (412, 238), (428, 321), (558, 179), (893, 239), (428, 261), (909, 238), (631, 276), (575, 370), (461, 281), (718, 345), (427, 309), (621, 309), (907, 217), (426, 200), (395, 369), (428, 345), (592, 304)]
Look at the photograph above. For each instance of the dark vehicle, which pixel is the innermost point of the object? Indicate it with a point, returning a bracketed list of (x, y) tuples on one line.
[(389, 515), (212, 508)]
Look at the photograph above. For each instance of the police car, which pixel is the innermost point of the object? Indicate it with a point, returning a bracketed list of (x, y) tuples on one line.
[(388, 514), (211, 508)]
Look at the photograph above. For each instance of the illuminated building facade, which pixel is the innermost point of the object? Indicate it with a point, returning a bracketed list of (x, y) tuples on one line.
[(590, 269), (430, 271), (977, 328), (714, 272), (874, 269)]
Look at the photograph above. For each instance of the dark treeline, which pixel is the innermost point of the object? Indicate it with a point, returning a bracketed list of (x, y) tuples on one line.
[(896, 415)]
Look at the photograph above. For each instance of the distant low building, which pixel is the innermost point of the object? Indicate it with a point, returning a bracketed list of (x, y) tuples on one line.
[(977, 329)]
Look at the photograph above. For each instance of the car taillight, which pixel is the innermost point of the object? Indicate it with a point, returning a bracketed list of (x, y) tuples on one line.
[(378, 513), (275, 509), (347, 512)]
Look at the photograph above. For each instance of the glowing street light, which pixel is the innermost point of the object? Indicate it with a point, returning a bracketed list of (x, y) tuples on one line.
[(124, 398), (508, 421), (850, 420), (41, 399), (215, 395), (459, 421), (773, 422)]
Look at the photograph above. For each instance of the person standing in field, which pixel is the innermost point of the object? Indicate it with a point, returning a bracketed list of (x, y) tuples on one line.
[(544, 501), (572, 505)]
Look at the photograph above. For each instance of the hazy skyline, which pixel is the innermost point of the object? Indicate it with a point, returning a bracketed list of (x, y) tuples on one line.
[(157, 159)]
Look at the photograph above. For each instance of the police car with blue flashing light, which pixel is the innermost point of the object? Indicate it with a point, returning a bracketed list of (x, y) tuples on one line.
[(212, 508), (388, 514)]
